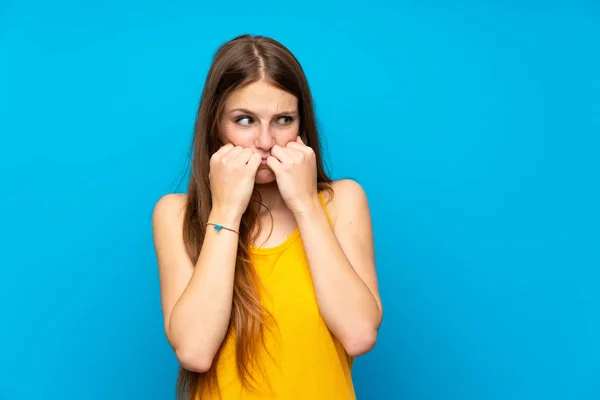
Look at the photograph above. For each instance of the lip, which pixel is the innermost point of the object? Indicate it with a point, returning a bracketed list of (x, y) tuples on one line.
[(263, 161)]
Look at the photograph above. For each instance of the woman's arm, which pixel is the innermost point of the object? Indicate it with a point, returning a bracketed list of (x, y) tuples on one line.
[(196, 299), (342, 265)]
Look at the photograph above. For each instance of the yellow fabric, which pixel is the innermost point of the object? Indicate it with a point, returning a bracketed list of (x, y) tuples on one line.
[(306, 361)]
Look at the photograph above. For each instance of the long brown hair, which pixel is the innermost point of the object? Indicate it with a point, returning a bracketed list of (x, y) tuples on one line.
[(240, 61)]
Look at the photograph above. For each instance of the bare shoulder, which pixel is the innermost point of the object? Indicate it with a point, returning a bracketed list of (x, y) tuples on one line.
[(167, 222), (349, 197), (168, 209), (348, 188)]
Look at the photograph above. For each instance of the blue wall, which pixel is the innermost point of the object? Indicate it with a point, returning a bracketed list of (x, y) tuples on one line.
[(474, 129)]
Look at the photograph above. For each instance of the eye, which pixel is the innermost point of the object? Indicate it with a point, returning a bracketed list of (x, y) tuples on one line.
[(285, 120), (244, 120)]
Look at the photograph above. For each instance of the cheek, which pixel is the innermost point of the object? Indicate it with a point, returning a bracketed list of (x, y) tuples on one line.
[(283, 137), (236, 136)]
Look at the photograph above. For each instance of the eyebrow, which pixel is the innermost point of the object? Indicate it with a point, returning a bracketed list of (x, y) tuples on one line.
[(246, 111)]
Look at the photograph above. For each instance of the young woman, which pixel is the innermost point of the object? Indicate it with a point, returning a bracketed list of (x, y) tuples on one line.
[(267, 270)]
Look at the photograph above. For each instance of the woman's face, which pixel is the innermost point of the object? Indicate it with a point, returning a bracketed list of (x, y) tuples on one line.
[(259, 116)]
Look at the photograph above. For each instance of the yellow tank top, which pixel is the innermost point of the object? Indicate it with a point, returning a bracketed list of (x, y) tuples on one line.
[(306, 361)]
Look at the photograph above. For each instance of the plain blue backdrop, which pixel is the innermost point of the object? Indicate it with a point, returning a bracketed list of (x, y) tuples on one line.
[(473, 127)]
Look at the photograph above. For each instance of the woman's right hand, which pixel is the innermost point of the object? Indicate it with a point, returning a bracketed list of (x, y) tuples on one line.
[(232, 174)]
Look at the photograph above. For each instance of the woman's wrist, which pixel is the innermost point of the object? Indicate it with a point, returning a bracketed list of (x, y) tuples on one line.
[(227, 218), (307, 207)]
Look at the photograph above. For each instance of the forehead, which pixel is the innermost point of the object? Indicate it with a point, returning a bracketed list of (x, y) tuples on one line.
[(262, 98)]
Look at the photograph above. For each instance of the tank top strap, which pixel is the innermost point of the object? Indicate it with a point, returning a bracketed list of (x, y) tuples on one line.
[(323, 203)]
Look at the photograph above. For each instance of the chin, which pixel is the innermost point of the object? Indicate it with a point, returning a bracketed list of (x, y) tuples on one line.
[(264, 176)]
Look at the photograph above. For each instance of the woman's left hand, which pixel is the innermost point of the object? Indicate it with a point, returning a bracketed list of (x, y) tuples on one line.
[(295, 170)]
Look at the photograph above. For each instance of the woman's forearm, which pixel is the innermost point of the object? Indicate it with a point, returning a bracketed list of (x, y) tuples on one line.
[(347, 305)]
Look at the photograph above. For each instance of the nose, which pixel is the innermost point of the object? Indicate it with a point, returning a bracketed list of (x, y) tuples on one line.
[(265, 139)]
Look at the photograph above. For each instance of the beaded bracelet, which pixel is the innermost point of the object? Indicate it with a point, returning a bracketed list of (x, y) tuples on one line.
[(219, 227)]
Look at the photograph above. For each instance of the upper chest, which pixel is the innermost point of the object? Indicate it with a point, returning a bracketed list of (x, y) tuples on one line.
[(275, 228)]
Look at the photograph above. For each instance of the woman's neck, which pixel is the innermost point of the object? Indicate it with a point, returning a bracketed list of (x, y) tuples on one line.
[(270, 197)]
